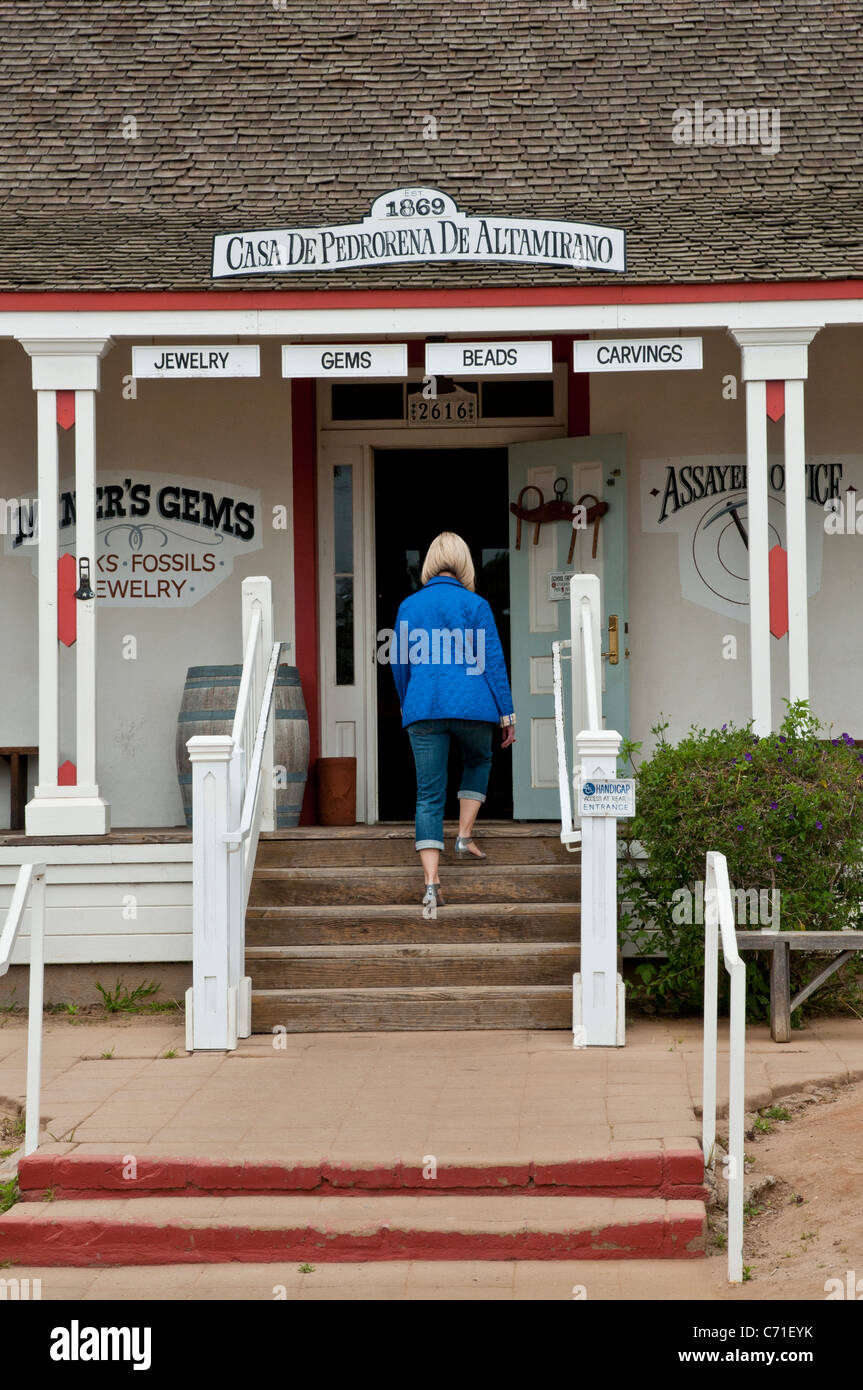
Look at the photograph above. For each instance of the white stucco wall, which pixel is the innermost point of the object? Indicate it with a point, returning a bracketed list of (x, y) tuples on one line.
[(678, 670), (236, 432)]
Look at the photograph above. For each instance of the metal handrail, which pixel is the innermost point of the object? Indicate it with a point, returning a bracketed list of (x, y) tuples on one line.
[(31, 878), (719, 918)]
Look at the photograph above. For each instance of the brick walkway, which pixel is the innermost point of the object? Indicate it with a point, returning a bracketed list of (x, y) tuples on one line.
[(495, 1097)]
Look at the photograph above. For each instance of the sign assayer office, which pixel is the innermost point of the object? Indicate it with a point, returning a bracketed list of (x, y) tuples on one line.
[(410, 226)]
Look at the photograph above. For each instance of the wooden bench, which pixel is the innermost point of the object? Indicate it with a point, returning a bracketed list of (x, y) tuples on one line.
[(18, 760), (781, 944)]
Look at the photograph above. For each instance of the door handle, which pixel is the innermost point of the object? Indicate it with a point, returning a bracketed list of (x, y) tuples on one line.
[(613, 640)]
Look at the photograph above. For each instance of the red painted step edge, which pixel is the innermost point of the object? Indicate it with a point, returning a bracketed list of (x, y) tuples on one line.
[(86, 1243), (667, 1173)]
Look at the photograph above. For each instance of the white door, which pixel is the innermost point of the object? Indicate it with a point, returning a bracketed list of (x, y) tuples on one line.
[(346, 561)]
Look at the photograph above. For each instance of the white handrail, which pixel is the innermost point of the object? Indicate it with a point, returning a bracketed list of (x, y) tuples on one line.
[(244, 694), (590, 673), (719, 917), (253, 772), (232, 801), (568, 833), (31, 878)]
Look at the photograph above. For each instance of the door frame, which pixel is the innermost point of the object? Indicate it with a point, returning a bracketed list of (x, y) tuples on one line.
[(334, 441)]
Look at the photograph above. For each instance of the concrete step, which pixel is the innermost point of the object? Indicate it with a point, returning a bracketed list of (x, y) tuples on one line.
[(672, 1169), (505, 842), (376, 967), (396, 1010), (333, 1229), (478, 883), (383, 923)]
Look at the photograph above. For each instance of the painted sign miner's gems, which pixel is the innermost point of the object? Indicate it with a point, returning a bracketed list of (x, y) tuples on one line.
[(163, 540), (411, 226)]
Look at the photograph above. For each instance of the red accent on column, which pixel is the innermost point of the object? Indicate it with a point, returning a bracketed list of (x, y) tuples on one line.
[(65, 409), (778, 571), (67, 604), (67, 774), (304, 442), (775, 399)]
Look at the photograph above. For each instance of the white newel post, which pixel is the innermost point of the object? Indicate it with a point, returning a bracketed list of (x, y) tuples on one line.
[(258, 597), (211, 1004), (66, 365), (598, 1012), (776, 354)]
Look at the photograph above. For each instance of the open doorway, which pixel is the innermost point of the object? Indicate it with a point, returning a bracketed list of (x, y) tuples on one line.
[(419, 493)]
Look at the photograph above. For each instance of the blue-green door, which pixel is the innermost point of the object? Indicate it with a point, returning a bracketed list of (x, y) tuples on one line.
[(593, 464)]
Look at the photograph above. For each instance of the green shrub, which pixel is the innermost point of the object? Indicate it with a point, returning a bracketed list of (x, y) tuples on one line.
[(786, 811)]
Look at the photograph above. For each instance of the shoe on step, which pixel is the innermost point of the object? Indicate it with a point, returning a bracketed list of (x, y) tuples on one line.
[(463, 847), (432, 900)]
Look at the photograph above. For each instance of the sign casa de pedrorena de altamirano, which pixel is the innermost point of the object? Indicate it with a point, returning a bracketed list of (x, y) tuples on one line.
[(413, 225)]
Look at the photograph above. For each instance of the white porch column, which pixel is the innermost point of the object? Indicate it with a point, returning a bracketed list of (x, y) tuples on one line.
[(66, 365), (775, 354)]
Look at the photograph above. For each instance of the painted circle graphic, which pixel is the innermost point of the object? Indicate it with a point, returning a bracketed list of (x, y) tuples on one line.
[(720, 540)]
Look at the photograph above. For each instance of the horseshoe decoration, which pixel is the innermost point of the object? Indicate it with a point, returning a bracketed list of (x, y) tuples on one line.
[(557, 509)]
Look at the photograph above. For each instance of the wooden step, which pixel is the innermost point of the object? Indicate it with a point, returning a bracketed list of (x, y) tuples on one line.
[(400, 967), (178, 1230), (504, 843), (410, 1010), (381, 923), (462, 884)]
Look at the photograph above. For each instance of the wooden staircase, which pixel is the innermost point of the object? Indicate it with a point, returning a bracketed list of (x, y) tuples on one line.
[(336, 941)]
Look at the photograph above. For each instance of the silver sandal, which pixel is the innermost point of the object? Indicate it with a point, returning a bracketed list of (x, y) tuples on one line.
[(462, 843), (432, 900)]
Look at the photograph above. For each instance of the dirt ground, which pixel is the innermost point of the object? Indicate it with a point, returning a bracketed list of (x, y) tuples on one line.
[(807, 1227)]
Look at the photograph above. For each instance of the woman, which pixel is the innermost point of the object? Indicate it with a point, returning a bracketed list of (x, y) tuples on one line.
[(450, 674)]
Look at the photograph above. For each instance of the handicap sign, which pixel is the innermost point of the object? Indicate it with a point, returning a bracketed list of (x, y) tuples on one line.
[(612, 798)]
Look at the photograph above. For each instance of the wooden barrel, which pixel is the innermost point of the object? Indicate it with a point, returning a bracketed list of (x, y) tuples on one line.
[(208, 707), (291, 750)]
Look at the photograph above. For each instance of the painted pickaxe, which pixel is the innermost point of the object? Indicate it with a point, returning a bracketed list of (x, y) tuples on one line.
[(731, 509)]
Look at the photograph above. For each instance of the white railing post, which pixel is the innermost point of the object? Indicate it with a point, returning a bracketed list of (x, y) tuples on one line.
[(598, 1019), (30, 876), (719, 916), (211, 1004), (258, 597), (35, 1011)]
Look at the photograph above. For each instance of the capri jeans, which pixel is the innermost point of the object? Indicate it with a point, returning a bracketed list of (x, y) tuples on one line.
[(430, 741)]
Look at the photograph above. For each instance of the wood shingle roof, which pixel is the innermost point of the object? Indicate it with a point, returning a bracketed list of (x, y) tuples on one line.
[(130, 133)]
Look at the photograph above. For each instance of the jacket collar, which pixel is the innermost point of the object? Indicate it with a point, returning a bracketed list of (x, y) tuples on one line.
[(443, 579)]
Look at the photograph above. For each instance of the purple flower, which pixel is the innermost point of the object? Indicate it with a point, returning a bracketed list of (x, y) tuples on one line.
[(818, 825), (724, 727), (748, 757), (847, 740), (782, 738), (740, 827), (779, 859), (773, 805)]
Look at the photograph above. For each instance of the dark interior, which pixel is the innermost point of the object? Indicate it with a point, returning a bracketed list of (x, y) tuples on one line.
[(419, 493)]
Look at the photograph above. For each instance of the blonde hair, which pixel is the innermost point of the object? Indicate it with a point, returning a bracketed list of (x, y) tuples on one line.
[(449, 552)]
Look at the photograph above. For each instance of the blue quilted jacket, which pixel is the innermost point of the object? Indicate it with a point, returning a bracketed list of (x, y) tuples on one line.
[(447, 658)]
